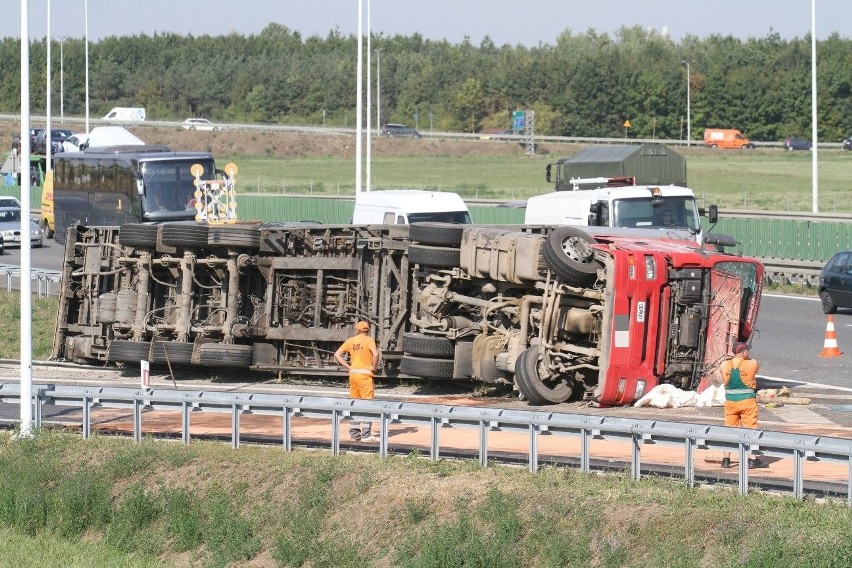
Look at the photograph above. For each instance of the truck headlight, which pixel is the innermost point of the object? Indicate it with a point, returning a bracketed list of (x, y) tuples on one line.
[(650, 268)]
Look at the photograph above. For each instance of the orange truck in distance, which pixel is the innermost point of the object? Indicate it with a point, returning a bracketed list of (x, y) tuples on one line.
[(726, 138)]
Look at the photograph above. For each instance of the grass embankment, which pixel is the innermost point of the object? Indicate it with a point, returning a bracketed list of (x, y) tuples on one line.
[(760, 179), (109, 502), (43, 325)]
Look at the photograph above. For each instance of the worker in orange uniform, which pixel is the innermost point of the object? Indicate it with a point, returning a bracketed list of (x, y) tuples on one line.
[(363, 359), (740, 376)]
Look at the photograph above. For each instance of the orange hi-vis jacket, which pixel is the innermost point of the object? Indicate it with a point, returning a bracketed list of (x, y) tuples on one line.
[(360, 356)]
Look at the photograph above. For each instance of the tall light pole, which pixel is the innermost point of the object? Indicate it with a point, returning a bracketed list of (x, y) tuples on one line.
[(61, 80), (26, 259), (688, 102), (48, 134), (359, 88), (369, 98), (814, 176), (86, 8), (378, 90)]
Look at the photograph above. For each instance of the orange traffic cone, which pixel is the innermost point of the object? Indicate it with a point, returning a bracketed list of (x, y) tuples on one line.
[(830, 348)]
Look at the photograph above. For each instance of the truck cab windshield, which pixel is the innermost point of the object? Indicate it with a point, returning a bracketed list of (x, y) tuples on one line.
[(672, 212)]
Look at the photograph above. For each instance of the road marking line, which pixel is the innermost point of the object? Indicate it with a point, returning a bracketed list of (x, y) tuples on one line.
[(796, 383)]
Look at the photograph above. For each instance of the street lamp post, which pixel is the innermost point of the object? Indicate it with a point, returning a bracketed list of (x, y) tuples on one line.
[(61, 80), (47, 135), (86, 9), (688, 113), (378, 90)]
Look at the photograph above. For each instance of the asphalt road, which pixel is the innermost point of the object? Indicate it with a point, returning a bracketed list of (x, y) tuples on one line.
[(48, 257), (790, 337)]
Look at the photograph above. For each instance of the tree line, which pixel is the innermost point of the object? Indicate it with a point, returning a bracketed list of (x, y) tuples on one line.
[(585, 84)]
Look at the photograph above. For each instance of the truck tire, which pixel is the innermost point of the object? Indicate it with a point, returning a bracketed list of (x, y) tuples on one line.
[(532, 387), (124, 351), (438, 257), (184, 235), (235, 236), (440, 234), (568, 253), (46, 229), (227, 355), (426, 368), (171, 352), (422, 345), (138, 235)]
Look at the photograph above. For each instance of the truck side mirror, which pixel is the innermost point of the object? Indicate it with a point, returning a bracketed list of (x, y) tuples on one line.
[(595, 214), (713, 214), (547, 173)]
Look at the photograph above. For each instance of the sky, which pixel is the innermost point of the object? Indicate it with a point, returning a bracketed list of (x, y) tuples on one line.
[(513, 22)]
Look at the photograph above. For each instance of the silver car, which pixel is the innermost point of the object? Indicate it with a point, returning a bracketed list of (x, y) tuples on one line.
[(10, 228)]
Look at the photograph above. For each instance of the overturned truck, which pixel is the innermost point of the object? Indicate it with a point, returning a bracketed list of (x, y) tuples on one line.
[(554, 311)]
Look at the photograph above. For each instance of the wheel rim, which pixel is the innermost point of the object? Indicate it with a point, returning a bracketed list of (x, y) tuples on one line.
[(577, 249)]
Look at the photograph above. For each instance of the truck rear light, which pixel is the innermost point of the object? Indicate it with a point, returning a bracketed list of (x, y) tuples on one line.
[(631, 267), (650, 268), (640, 389)]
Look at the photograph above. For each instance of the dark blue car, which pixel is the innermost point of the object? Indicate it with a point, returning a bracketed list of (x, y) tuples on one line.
[(835, 283), (797, 144)]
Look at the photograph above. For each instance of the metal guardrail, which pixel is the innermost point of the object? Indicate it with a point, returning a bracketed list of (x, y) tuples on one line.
[(43, 278), (350, 131), (534, 423)]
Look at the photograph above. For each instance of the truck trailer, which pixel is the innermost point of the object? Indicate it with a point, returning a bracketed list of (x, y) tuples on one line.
[(553, 311)]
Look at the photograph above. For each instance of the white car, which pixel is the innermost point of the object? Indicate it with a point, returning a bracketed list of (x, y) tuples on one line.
[(73, 142), (199, 124), (9, 201), (10, 228)]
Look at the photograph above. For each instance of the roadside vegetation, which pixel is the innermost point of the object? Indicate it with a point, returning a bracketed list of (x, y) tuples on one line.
[(579, 83), (43, 325), (109, 502)]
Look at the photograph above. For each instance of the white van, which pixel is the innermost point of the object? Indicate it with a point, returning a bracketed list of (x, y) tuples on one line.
[(126, 113), (405, 206)]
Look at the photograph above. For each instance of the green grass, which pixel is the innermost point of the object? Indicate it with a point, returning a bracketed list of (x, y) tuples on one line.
[(43, 325), (64, 500), (759, 179)]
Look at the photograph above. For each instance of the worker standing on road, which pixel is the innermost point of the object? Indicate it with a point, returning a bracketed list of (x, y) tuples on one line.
[(363, 359), (740, 376)]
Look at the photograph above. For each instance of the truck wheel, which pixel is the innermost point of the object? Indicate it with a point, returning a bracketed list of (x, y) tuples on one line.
[(828, 305), (569, 254), (228, 355), (60, 235), (138, 235), (440, 234), (246, 236), (427, 346), (532, 387), (181, 235), (124, 351), (426, 368), (438, 257), (46, 229), (171, 352)]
